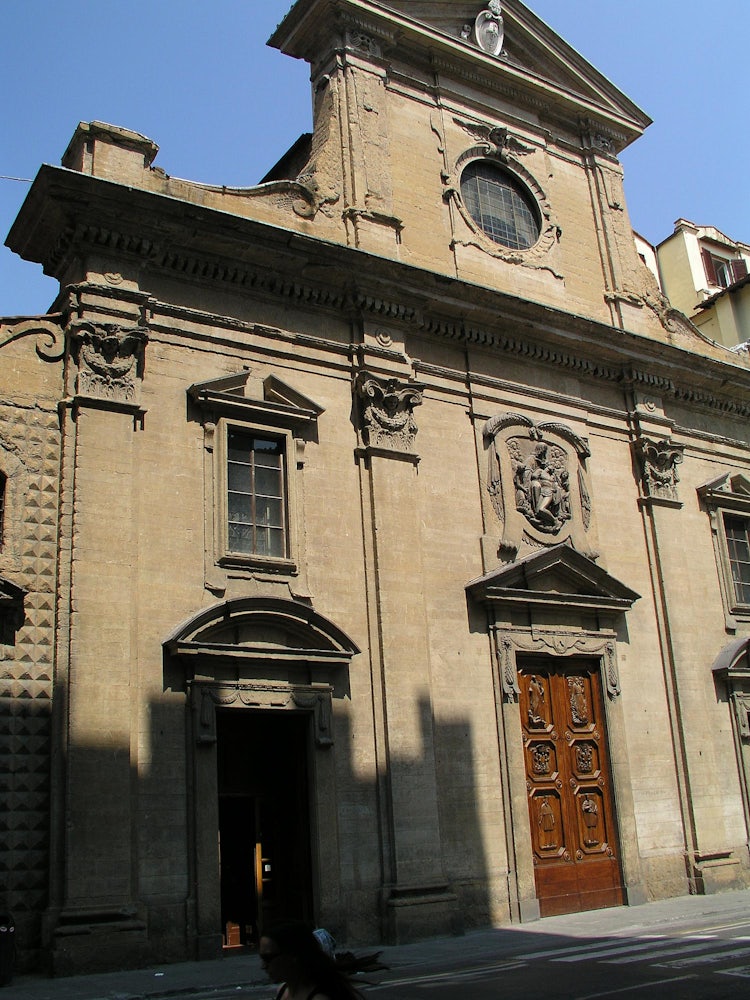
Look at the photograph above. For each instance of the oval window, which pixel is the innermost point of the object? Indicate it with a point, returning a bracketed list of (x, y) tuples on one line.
[(500, 205)]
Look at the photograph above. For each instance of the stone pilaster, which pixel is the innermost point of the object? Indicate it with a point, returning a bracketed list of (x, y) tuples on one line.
[(416, 897)]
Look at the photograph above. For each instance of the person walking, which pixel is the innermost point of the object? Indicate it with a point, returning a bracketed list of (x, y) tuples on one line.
[(292, 956)]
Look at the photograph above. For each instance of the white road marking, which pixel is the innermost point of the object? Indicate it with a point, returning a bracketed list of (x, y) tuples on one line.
[(649, 947), (719, 956)]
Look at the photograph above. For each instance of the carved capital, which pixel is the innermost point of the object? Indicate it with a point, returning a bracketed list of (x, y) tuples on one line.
[(110, 360), (659, 461), (387, 411)]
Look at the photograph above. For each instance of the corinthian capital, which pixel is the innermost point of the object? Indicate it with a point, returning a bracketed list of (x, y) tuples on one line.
[(387, 409)]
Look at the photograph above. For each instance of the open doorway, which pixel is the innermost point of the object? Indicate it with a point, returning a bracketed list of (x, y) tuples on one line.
[(264, 820)]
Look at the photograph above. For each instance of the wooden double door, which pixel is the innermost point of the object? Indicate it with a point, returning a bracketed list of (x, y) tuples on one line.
[(571, 804)]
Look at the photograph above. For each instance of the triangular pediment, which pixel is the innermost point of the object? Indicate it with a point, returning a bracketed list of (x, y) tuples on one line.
[(559, 576), (738, 484), (532, 53), (269, 397), (10, 593), (730, 491)]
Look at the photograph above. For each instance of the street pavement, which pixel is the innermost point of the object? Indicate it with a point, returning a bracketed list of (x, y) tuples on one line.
[(242, 975)]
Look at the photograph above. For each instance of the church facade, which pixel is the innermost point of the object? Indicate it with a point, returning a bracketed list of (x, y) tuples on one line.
[(375, 540)]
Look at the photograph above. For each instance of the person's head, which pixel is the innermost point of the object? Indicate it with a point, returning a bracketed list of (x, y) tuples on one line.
[(291, 953)]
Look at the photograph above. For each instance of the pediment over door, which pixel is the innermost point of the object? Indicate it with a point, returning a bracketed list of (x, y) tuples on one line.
[(264, 631), (556, 602), (556, 578), (261, 653), (11, 611)]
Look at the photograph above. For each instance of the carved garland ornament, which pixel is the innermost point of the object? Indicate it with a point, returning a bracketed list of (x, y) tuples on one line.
[(510, 642), (659, 461), (498, 145), (110, 360), (317, 700), (387, 409)]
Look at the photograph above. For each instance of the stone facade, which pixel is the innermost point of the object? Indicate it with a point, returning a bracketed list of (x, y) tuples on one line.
[(356, 563)]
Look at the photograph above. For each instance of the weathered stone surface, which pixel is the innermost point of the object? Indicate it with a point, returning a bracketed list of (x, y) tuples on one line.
[(478, 447)]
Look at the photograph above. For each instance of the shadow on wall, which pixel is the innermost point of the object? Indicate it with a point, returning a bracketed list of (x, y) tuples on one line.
[(138, 844)]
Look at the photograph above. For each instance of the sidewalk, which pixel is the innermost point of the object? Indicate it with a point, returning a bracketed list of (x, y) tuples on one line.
[(226, 977)]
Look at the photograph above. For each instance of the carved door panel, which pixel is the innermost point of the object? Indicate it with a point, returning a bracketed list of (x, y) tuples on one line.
[(571, 808)]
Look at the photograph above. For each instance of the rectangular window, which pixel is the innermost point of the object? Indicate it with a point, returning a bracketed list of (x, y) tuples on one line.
[(738, 547), (256, 495), (723, 271)]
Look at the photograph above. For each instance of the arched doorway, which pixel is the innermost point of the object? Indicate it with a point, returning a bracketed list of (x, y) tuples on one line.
[(261, 675)]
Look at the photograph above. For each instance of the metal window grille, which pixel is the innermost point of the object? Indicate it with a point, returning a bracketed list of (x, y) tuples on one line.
[(500, 206)]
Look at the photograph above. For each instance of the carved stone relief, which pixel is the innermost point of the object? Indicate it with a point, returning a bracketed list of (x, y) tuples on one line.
[(500, 145), (511, 641), (537, 483), (110, 360), (741, 705), (314, 698), (659, 461), (488, 31), (387, 412)]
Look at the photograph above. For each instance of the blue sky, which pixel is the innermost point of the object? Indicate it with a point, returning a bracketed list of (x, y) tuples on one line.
[(197, 78)]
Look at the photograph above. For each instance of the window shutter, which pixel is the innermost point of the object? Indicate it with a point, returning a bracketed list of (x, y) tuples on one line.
[(739, 269), (708, 264)]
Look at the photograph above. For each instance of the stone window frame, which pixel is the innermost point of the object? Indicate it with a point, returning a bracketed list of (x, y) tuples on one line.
[(225, 556), (264, 407), (503, 151), (727, 496)]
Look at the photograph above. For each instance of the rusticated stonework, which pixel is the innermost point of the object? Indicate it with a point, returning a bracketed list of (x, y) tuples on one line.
[(26, 655)]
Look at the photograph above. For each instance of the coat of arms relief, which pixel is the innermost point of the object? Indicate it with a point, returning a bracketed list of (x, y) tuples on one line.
[(538, 484)]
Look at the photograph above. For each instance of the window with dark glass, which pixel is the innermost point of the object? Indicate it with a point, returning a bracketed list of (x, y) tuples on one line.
[(723, 271), (738, 547), (256, 495), (500, 205)]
